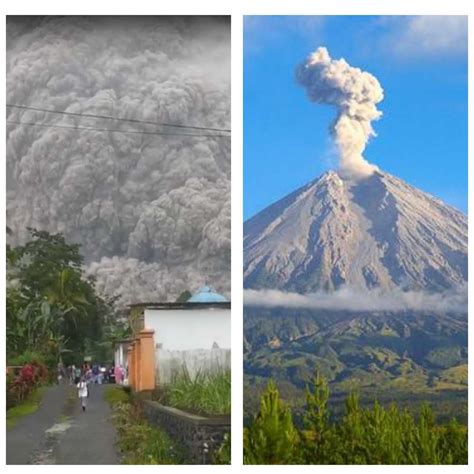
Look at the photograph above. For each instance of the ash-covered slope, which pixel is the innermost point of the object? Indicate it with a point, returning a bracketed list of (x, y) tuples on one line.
[(374, 232)]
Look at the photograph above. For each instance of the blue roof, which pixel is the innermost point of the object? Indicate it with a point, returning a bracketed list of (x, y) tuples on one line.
[(207, 295)]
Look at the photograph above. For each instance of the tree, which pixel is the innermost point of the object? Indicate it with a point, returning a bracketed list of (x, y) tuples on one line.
[(48, 271), (44, 257), (184, 296), (272, 438), (319, 440), (375, 435)]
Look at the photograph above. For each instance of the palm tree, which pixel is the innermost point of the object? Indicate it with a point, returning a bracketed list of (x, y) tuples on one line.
[(68, 293)]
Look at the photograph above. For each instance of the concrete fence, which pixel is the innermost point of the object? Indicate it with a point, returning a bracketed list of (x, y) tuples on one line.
[(194, 361), (200, 436), (149, 366)]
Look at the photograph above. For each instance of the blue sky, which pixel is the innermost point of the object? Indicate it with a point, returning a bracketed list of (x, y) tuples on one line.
[(421, 63)]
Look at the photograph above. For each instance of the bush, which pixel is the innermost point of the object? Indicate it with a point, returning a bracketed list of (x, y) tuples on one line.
[(140, 442), (30, 376)]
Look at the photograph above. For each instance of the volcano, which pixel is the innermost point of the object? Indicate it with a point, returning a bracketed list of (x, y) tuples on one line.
[(372, 234), (378, 232)]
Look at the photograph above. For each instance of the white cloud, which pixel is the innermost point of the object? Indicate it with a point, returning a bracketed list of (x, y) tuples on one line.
[(433, 35), (348, 299)]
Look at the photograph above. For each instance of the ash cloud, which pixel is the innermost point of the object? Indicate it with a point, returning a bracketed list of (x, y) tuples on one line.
[(349, 299), (355, 93), (152, 213)]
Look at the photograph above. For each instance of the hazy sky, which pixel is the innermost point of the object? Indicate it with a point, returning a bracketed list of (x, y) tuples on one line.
[(422, 135)]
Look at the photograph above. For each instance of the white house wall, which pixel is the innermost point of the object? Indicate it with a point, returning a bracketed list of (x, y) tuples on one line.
[(186, 329)]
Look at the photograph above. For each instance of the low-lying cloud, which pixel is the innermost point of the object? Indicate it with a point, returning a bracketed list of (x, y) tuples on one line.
[(349, 299)]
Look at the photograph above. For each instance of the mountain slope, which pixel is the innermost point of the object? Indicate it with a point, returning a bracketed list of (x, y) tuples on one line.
[(376, 232)]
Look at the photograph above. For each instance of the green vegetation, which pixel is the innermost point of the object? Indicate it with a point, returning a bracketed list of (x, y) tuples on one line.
[(22, 382), (223, 454), (115, 395), (207, 393), (53, 309), (139, 442), (184, 296), (27, 358), (271, 438), (386, 356), (454, 378), (444, 357), (26, 407), (373, 435)]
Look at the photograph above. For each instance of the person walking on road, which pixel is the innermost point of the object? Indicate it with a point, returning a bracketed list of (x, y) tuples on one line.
[(95, 373), (83, 392)]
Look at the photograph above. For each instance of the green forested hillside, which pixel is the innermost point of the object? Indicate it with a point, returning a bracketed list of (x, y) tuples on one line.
[(409, 357)]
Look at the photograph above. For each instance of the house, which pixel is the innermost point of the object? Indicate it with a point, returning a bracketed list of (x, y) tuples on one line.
[(193, 336)]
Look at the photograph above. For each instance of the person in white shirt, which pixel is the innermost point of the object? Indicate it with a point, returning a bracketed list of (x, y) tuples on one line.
[(82, 392)]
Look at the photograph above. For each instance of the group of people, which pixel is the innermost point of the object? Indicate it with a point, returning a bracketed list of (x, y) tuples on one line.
[(86, 371), (82, 376)]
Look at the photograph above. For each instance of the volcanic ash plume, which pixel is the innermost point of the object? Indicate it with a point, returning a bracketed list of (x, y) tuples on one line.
[(355, 93), (152, 213)]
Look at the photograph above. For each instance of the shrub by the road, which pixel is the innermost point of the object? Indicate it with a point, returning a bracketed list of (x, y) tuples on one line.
[(30, 377), (139, 442)]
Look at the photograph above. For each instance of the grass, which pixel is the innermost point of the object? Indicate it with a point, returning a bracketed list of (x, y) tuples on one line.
[(207, 393), (24, 408), (115, 395), (138, 441)]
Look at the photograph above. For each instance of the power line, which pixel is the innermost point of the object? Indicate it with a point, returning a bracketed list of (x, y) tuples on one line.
[(142, 132), (108, 117)]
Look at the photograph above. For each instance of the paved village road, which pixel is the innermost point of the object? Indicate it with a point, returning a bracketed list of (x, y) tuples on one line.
[(91, 437), (25, 437), (71, 436)]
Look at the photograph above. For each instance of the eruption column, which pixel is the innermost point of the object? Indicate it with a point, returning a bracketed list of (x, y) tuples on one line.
[(355, 93)]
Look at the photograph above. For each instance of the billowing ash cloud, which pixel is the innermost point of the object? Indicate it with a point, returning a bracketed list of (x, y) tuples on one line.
[(151, 212), (355, 93), (348, 299)]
